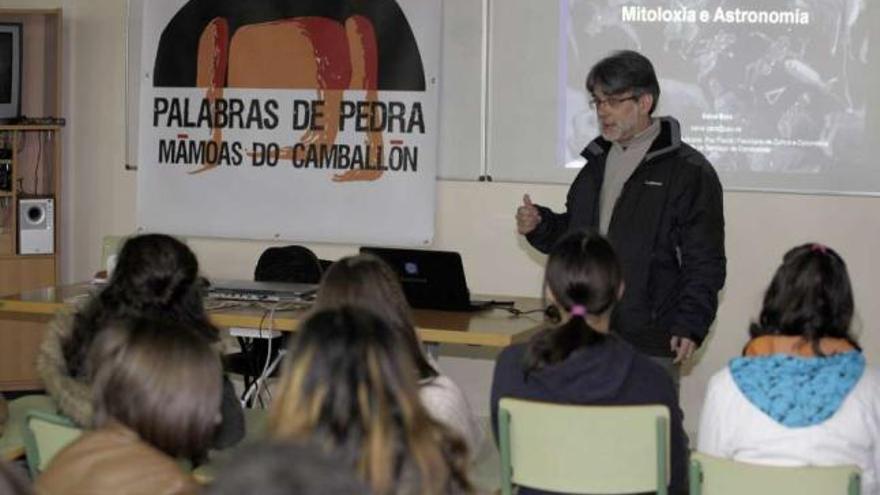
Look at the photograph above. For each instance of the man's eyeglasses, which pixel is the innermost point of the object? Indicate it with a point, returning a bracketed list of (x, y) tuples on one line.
[(611, 101)]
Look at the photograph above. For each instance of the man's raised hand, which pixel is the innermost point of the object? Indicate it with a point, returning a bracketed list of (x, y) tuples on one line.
[(527, 216)]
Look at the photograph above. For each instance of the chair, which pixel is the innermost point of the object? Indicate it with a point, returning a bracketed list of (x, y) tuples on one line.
[(288, 264), (483, 467), (714, 476), (12, 441), (45, 434), (583, 449)]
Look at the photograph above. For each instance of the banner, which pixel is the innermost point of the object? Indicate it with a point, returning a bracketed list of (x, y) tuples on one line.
[(302, 120)]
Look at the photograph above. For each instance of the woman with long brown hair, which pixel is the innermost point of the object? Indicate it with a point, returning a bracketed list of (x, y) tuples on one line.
[(368, 282), (156, 393), (349, 389)]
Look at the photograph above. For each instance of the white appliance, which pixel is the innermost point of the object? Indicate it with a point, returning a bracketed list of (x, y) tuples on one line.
[(36, 225)]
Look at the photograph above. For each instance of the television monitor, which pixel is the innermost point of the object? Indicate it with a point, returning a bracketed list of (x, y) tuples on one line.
[(10, 72)]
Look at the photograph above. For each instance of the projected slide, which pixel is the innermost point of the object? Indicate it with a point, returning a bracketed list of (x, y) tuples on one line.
[(774, 92)]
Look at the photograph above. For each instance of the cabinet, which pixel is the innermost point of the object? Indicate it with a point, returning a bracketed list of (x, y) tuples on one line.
[(30, 158)]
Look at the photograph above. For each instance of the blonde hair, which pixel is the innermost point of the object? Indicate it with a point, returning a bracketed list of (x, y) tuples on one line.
[(349, 390)]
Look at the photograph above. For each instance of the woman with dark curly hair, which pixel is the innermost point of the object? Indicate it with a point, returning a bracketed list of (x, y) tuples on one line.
[(801, 394), (156, 276)]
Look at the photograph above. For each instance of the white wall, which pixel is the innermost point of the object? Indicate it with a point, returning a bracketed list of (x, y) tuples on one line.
[(473, 218)]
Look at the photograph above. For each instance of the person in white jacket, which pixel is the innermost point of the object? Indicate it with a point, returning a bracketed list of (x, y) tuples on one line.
[(801, 394)]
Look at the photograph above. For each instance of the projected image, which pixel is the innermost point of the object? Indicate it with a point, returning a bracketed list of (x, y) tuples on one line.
[(758, 86)]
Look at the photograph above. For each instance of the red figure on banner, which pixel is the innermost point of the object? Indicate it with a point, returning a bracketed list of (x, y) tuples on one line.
[(329, 45)]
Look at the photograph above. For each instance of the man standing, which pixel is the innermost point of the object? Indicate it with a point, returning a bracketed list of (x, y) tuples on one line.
[(659, 202)]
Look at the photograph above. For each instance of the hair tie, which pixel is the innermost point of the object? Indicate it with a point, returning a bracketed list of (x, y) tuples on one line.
[(819, 248), (578, 310)]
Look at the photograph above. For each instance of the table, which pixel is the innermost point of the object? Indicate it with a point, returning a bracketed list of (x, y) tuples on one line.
[(23, 315)]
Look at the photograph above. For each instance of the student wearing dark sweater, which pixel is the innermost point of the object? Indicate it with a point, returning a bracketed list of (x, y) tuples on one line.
[(578, 361)]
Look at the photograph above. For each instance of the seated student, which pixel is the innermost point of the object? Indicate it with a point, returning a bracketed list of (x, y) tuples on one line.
[(368, 282), (157, 389), (579, 360), (801, 394), (285, 468), (349, 389), (156, 276)]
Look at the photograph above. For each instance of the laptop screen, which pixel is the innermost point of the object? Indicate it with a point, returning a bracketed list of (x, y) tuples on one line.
[(430, 279)]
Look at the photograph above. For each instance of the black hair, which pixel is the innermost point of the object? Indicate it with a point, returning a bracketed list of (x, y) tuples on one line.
[(582, 275), (282, 468), (810, 296), (156, 276), (625, 70)]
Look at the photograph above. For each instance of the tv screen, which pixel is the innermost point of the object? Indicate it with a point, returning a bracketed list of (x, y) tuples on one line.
[(10, 71)]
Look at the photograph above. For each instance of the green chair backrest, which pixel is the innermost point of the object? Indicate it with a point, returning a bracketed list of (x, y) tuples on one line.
[(12, 441), (45, 434), (714, 476), (583, 449)]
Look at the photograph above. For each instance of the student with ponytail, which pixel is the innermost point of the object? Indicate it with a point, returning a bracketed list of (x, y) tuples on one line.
[(578, 359)]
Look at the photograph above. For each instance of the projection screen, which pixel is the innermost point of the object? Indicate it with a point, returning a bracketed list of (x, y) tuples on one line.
[(780, 95)]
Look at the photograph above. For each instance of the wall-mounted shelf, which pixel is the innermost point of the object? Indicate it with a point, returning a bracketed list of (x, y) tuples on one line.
[(30, 127), (33, 153)]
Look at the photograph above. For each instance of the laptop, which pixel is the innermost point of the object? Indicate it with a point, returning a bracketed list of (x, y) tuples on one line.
[(251, 291), (430, 279)]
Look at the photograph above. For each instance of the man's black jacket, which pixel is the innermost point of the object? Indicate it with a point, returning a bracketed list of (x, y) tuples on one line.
[(668, 230)]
